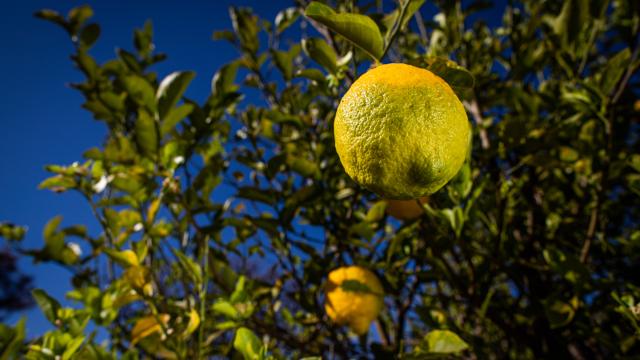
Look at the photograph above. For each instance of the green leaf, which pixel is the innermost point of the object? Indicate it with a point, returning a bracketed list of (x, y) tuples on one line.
[(615, 68), (364, 229), (125, 258), (357, 286), (240, 293), (12, 232), (146, 134), (12, 340), (321, 52), (454, 216), (455, 75), (283, 118), (171, 89), (284, 60), (286, 18), (54, 240), (47, 304), (53, 16), (225, 308), (223, 80), (247, 343), (444, 342), (567, 265), (312, 74), (376, 212), (412, 8), (634, 162), (573, 18), (560, 313), (76, 230), (190, 266), (461, 184), (72, 347), (143, 39), (227, 35), (245, 25), (304, 167), (130, 61), (174, 116), (89, 35), (256, 194), (78, 15), (266, 224), (58, 183), (140, 91), (358, 29), (113, 100), (87, 64)]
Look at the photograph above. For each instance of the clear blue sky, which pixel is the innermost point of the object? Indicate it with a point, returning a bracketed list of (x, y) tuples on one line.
[(42, 122)]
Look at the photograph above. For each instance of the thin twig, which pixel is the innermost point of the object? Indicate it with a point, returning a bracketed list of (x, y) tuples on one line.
[(474, 109), (203, 288), (592, 39), (422, 30), (627, 76), (404, 4), (591, 230)]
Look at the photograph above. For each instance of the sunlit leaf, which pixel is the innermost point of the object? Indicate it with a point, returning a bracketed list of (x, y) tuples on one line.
[(444, 342), (146, 134), (223, 80), (171, 90), (48, 305), (147, 326), (140, 91), (356, 28), (247, 344)]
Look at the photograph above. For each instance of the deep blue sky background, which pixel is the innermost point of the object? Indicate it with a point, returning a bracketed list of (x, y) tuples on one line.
[(43, 122)]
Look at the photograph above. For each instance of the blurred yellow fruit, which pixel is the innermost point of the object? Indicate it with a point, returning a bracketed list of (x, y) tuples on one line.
[(406, 209), (401, 132), (354, 297)]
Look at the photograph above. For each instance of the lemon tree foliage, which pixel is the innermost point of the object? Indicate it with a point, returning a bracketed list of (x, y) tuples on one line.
[(221, 219)]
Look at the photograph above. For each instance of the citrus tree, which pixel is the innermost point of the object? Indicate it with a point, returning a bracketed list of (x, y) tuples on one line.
[(222, 221)]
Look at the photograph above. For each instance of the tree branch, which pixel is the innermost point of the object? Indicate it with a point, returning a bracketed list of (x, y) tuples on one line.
[(591, 230), (474, 109), (627, 75)]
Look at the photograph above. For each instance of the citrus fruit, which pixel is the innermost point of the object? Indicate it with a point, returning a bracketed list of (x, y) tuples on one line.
[(401, 131), (406, 209), (354, 297)]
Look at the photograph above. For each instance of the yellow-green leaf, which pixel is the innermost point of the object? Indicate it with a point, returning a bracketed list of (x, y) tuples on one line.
[(147, 326), (358, 29), (444, 342), (247, 343)]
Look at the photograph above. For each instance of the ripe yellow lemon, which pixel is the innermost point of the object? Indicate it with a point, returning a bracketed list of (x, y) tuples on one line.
[(406, 209), (354, 297), (401, 132)]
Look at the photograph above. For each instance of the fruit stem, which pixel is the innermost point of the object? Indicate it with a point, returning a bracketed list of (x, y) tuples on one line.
[(404, 4)]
